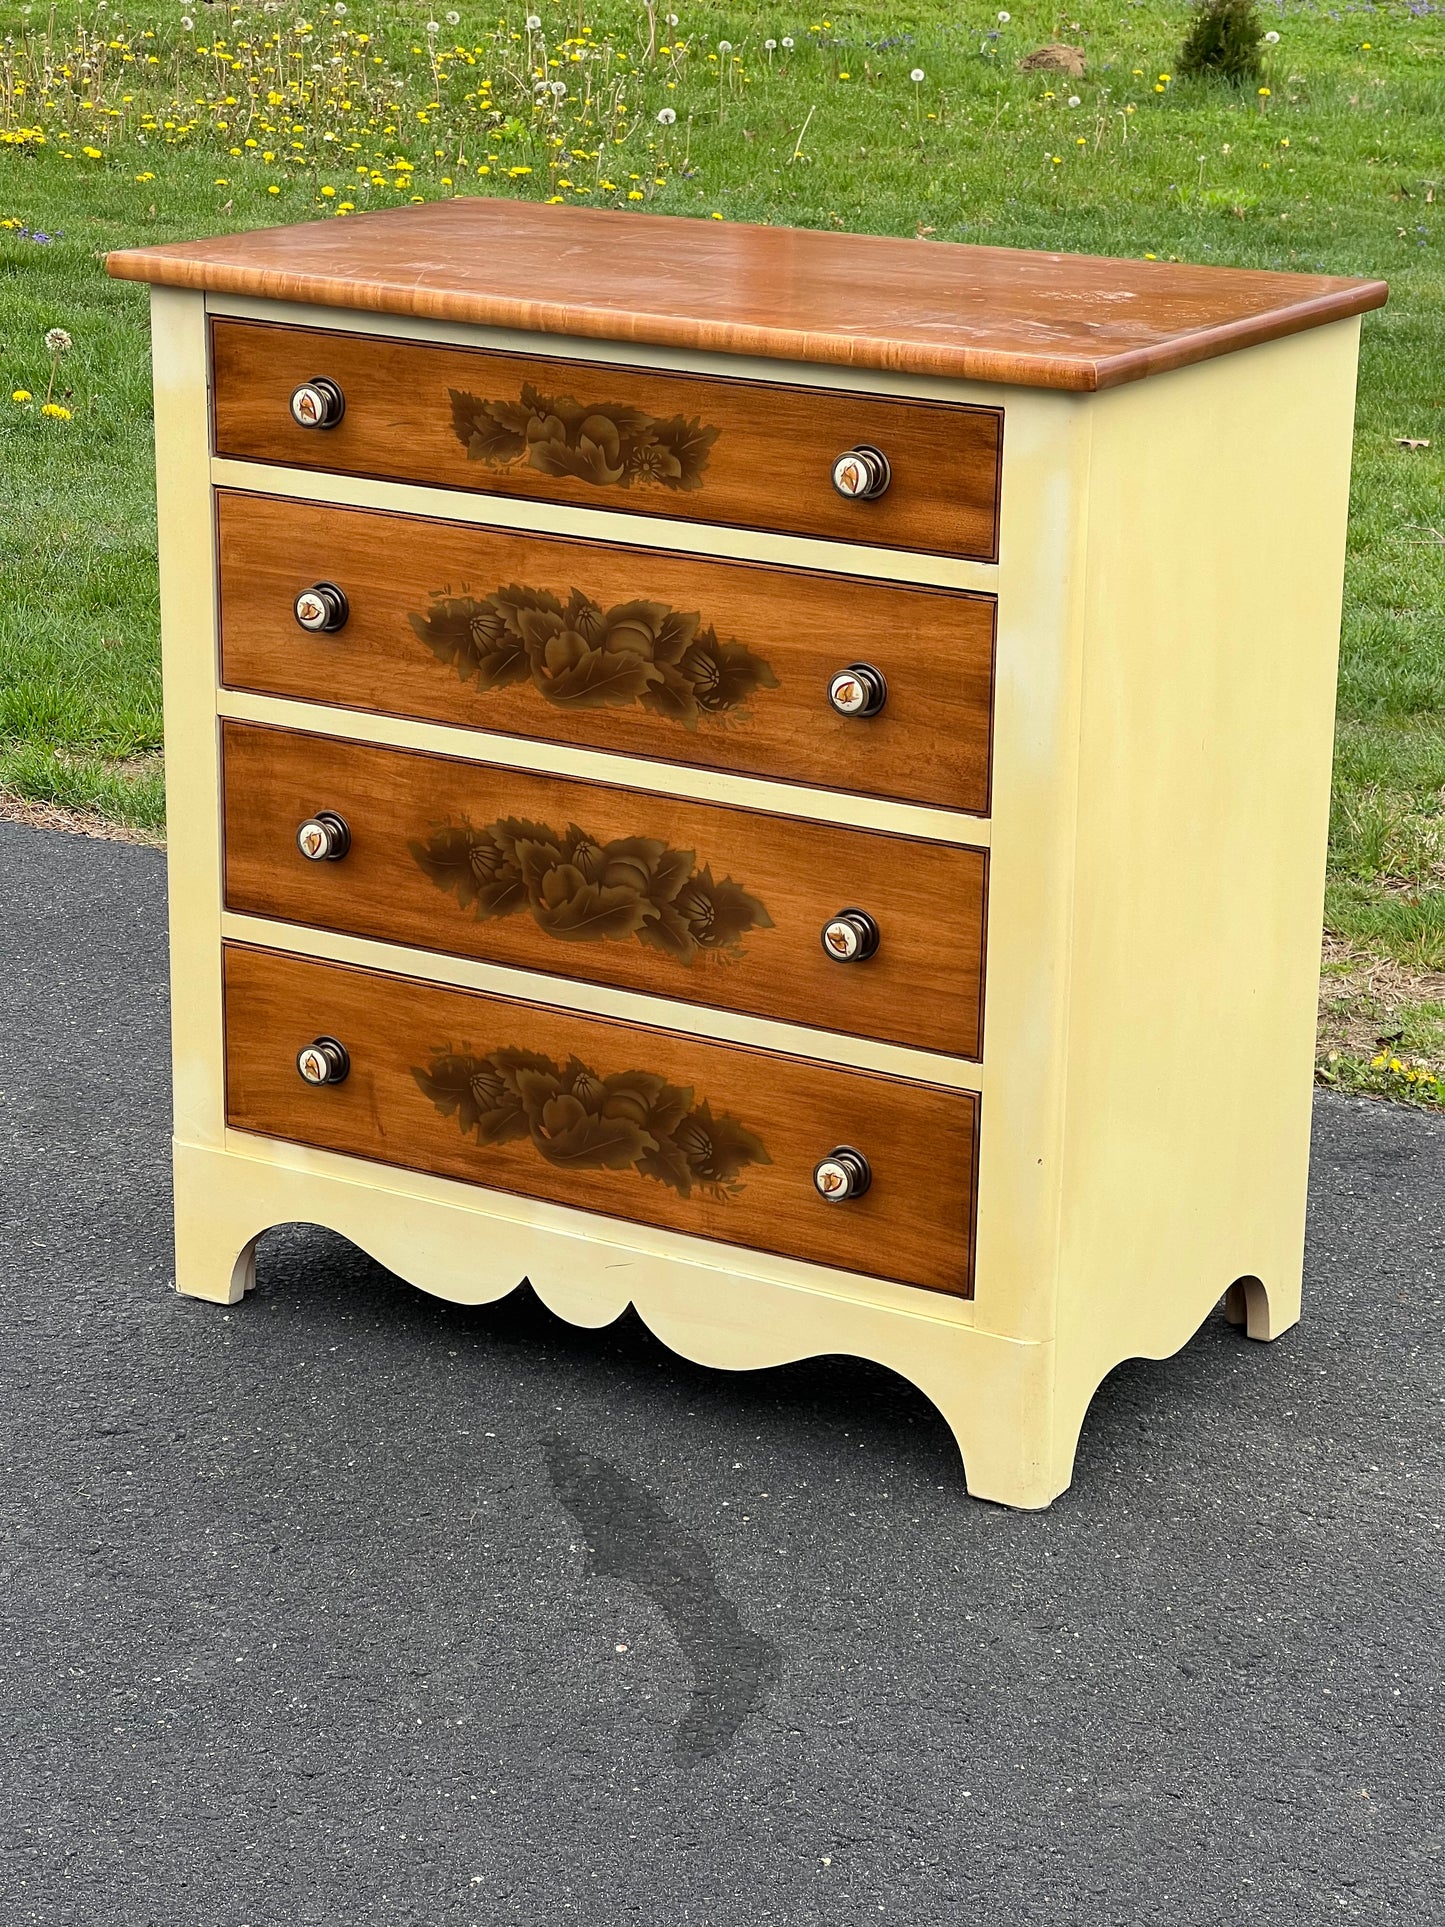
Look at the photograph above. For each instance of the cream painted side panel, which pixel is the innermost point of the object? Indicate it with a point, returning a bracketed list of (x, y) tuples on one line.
[(1214, 570), (188, 637), (1045, 498)]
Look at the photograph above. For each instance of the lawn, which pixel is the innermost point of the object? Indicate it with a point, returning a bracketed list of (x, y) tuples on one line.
[(119, 126)]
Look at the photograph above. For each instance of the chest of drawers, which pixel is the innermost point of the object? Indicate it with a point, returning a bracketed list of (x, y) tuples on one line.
[(787, 790)]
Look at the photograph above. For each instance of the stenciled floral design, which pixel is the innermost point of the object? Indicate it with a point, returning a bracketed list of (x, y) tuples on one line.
[(580, 1120), (580, 890), (579, 655), (606, 444)]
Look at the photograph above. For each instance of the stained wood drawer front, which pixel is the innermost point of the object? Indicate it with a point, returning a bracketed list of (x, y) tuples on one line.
[(691, 900), (755, 454), (633, 650), (637, 1123)]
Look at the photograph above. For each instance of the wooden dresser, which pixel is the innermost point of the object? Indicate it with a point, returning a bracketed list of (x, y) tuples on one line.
[(778, 778)]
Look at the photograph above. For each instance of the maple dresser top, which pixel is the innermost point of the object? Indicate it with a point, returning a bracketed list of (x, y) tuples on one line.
[(793, 294)]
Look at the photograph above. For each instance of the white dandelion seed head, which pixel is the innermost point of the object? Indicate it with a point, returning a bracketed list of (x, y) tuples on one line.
[(788, 41), (453, 19), (187, 24), (725, 46), (57, 340), (1074, 101), (1272, 38), (666, 116), (559, 89), (916, 75), (770, 46), (1004, 19), (672, 20), (433, 26), (534, 20), (340, 9)]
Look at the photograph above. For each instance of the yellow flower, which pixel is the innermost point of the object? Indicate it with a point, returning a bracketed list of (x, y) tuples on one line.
[(1378, 1063), (22, 394), (223, 183), (716, 216), (91, 153), (1057, 160), (633, 195), (328, 192), (483, 169), (56, 413), (1151, 257), (273, 189), (1264, 93)]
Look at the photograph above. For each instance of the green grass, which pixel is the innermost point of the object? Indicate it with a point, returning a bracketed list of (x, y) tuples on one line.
[(1341, 167)]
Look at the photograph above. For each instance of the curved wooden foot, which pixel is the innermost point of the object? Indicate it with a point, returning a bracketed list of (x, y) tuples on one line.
[(1264, 1313), (215, 1248)]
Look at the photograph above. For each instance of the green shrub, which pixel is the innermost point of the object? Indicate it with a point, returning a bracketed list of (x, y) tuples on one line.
[(1223, 40)]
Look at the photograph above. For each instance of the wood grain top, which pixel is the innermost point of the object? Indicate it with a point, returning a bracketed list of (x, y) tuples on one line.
[(790, 294)]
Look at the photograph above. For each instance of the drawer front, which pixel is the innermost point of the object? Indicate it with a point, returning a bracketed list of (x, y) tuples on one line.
[(633, 650), (697, 901), (636, 1123), (755, 454)]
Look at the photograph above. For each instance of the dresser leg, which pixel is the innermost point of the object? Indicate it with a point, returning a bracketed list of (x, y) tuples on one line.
[(1263, 1312), (215, 1251), (997, 1396)]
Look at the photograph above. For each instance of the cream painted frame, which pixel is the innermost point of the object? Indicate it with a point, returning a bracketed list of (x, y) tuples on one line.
[(1133, 600)]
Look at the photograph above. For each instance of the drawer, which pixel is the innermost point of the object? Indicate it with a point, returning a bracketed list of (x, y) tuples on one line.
[(696, 901), (638, 651), (758, 455), (637, 1123)]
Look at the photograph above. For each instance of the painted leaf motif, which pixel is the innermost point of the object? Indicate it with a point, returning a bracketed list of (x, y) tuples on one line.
[(579, 889), (578, 1119), (604, 444), (580, 656)]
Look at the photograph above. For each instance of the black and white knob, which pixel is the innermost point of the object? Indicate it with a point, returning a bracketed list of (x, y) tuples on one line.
[(862, 473), (323, 838), (322, 609), (858, 690), (317, 403), (843, 1174), (323, 1061), (850, 937)]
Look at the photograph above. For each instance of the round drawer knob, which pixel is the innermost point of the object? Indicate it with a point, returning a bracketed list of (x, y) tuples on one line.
[(858, 690), (317, 403), (850, 937), (843, 1174), (322, 608), (323, 1061), (862, 473), (323, 838)]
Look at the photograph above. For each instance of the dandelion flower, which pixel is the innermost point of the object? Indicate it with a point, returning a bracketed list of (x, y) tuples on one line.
[(1004, 19), (56, 413), (91, 153), (1264, 93), (22, 394), (1271, 39), (57, 340), (534, 20), (453, 19), (916, 75), (787, 43), (340, 9), (666, 116), (187, 24), (273, 189), (769, 46), (559, 90), (328, 193), (725, 46), (1074, 101)]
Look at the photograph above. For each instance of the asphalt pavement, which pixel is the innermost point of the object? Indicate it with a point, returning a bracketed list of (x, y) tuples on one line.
[(348, 1606)]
